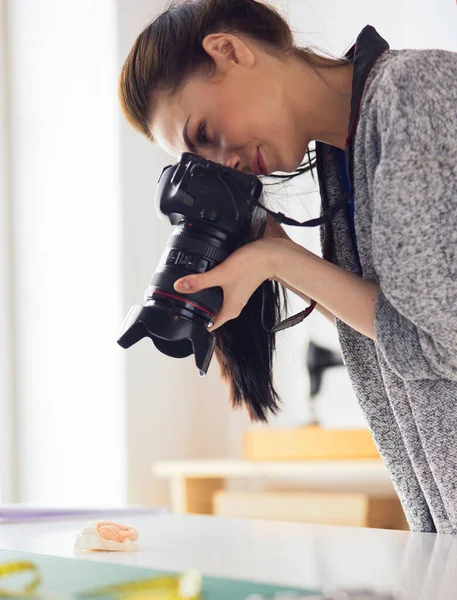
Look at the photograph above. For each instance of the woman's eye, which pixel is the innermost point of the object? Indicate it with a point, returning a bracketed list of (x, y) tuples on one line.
[(202, 139)]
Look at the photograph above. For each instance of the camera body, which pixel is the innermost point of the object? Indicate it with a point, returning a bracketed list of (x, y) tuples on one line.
[(207, 192), (213, 208)]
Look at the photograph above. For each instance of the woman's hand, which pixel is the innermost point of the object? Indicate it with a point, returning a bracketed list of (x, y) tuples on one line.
[(239, 275)]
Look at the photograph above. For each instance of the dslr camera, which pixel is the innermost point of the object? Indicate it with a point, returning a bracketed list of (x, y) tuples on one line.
[(214, 209)]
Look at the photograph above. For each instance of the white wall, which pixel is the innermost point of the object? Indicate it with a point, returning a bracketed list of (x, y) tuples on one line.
[(334, 25), (7, 483), (67, 234)]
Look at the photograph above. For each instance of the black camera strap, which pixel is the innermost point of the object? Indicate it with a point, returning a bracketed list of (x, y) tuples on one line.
[(327, 216), (280, 218)]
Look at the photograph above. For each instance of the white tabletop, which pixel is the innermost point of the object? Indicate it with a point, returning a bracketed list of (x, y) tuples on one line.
[(295, 554)]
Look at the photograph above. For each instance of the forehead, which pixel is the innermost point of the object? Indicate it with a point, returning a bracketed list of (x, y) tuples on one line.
[(170, 113), (167, 120)]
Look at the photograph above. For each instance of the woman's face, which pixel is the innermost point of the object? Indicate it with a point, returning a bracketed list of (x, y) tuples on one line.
[(242, 117)]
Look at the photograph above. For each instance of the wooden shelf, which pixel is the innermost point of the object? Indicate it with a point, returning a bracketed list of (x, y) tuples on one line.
[(309, 443), (340, 475), (202, 478), (348, 509)]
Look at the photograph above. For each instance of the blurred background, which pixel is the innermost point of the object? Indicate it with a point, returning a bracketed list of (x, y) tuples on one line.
[(83, 422)]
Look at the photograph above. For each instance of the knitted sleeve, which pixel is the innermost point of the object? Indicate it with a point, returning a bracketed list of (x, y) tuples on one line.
[(415, 215)]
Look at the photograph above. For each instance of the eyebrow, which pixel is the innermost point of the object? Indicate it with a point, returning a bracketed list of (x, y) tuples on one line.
[(186, 138)]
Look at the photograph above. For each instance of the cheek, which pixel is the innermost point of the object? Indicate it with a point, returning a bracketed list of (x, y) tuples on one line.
[(235, 114), (233, 123), (243, 116)]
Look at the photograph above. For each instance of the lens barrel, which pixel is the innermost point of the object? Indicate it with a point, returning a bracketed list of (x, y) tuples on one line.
[(176, 323)]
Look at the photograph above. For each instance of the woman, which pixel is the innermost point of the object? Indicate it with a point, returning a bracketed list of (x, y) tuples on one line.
[(223, 78)]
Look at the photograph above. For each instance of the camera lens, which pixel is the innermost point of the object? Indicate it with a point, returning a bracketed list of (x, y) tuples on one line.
[(191, 248), (177, 323)]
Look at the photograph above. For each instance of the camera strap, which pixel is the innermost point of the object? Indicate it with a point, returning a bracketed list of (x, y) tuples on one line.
[(290, 321), (328, 215), (280, 218)]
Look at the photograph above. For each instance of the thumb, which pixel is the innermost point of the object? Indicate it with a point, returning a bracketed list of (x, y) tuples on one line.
[(193, 283)]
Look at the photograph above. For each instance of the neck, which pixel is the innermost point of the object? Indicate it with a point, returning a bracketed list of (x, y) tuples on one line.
[(325, 113)]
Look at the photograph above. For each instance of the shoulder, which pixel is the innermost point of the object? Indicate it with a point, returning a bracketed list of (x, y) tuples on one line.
[(414, 92), (430, 73), (416, 69)]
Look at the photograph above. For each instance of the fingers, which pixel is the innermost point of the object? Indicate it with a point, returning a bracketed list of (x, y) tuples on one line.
[(200, 281), (191, 283), (185, 284), (235, 297), (227, 313)]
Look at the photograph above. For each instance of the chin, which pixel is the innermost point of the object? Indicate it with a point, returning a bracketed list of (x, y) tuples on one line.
[(286, 165), (291, 163), (291, 166)]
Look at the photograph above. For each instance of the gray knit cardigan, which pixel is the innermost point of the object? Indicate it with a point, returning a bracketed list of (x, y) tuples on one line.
[(405, 187)]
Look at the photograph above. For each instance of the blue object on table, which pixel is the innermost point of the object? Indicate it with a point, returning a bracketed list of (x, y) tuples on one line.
[(57, 578)]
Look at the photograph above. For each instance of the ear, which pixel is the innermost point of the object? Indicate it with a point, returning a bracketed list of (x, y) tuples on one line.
[(227, 50)]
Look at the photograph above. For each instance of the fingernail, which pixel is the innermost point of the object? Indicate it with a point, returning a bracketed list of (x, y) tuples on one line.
[(185, 285)]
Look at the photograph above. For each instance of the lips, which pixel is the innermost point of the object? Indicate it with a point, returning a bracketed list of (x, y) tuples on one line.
[(258, 164)]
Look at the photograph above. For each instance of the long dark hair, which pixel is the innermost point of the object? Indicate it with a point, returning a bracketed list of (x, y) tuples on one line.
[(164, 56)]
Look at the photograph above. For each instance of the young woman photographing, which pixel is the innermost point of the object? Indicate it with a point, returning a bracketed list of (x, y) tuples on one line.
[(224, 79)]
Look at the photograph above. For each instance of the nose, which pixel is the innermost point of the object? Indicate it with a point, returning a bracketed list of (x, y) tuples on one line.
[(233, 161), (225, 157)]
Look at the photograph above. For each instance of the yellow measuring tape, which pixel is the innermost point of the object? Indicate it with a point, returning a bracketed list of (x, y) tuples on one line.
[(14, 568), (155, 588)]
